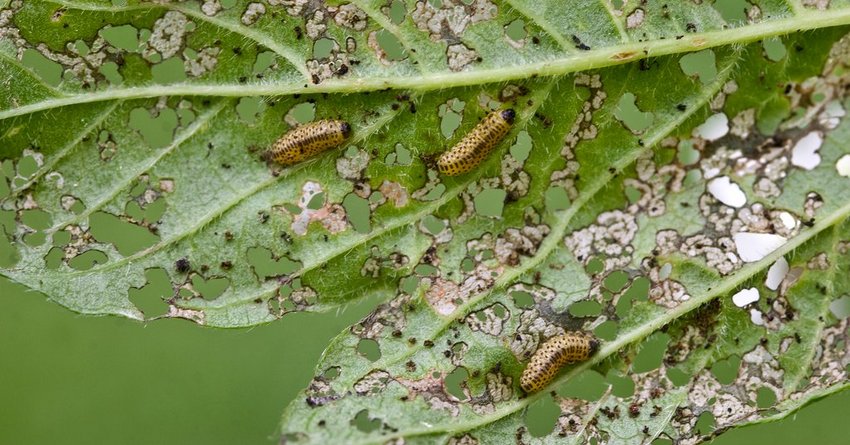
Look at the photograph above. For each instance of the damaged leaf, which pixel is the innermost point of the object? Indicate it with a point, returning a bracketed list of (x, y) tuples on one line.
[(674, 183)]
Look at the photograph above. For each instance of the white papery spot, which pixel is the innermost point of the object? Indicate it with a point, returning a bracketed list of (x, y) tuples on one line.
[(755, 246), (832, 114), (665, 271), (727, 192), (788, 220), (745, 297), (840, 307), (843, 166), (714, 128), (756, 317), (805, 151), (776, 274)]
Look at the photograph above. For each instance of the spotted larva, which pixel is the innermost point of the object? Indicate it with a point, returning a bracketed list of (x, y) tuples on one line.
[(308, 140), (477, 144), (553, 355)]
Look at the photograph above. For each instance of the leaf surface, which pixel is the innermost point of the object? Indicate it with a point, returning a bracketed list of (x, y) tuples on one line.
[(675, 183)]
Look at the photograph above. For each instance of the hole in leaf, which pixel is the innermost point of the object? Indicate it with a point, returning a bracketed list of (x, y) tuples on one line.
[(522, 300), (774, 49), (332, 372), (36, 219), (651, 352), (639, 290), (542, 416), (588, 308), (688, 155), (621, 385), (840, 308), (150, 297), (127, 237), (765, 397), (725, 371), (264, 61), (323, 48), (490, 202), (53, 259), (705, 423), (607, 330), (433, 224), (357, 212), (87, 260), (390, 45), (588, 385), (450, 117), (701, 64), (455, 382), (732, 10), (249, 108), (615, 281), (369, 348), (27, 166), (317, 201), (556, 198), (156, 131), (211, 288), (594, 266), (302, 113), (266, 266), (124, 37), (397, 12), (409, 284), (170, 70), (629, 114), (364, 423), (522, 147), (678, 377), (516, 30), (49, 71)]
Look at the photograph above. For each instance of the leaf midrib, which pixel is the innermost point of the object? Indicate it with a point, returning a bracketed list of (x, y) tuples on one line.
[(571, 62)]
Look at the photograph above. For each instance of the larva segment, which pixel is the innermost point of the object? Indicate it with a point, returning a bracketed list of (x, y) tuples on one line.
[(553, 355), (477, 144), (308, 140)]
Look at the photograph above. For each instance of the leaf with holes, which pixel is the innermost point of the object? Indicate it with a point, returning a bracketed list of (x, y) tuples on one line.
[(673, 183)]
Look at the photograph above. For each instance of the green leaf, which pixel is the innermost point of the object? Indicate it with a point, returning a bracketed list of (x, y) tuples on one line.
[(675, 183)]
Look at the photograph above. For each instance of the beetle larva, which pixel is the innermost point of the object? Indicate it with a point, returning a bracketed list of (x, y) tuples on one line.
[(308, 140), (553, 355), (476, 145)]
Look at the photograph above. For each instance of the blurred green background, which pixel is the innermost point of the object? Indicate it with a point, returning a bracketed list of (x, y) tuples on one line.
[(71, 379)]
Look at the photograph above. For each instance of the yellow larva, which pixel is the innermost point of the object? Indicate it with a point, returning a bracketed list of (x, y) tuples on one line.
[(476, 145), (309, 140), (553, 355)]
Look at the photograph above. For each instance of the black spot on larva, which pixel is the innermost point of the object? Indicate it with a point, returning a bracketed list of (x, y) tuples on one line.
[(477, 144), (556, 352), (309, 140)]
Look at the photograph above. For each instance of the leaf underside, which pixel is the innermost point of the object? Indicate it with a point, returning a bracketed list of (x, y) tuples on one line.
[(675, 183)]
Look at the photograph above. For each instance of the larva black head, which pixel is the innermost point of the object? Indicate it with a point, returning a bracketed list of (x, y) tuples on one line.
[(509, 115), (594, 346), (345, 128)]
